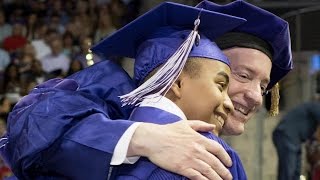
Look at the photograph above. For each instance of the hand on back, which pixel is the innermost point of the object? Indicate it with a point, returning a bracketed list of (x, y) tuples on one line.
[(178, 148)]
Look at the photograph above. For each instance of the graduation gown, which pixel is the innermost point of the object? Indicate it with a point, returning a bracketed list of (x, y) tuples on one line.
[(144, 169), (63, 128)]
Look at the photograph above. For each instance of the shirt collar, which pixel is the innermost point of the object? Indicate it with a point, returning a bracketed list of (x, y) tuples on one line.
[(163, 103)]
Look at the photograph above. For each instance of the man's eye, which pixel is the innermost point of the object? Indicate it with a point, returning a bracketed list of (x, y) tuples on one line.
[(244, 78), (264, 92), (222, 86)]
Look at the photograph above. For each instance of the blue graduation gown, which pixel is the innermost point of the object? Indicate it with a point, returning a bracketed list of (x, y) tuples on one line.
[(63, 128), (144, 169)]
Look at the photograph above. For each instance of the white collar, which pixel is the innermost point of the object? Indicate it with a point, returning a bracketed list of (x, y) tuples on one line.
[(163, 103)]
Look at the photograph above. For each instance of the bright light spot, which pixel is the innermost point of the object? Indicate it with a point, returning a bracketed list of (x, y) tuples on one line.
[(302, 177), (89, 57)]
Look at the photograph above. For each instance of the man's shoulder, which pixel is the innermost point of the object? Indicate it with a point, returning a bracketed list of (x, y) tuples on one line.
[(143, 169), (222, 142)]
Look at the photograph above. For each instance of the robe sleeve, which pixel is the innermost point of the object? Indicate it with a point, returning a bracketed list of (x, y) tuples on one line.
[(143, 169), (63, 128), (237, 170)]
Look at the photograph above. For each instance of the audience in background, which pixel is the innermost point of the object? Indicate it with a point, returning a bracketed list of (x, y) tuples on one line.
[(40, 40), (4, 62), (56, 63), (84, 55), (16, 40), (5, 28)]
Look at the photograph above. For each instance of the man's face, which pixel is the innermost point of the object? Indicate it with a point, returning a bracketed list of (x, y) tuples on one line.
[(56, 46), (17, 29), (205, 96), (249, 79)]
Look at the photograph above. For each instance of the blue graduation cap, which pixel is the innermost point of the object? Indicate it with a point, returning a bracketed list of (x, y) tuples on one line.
[(126, 40), (264, 26), (166, 36)]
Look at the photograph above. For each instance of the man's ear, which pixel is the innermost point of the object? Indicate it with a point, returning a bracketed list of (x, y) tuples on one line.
[(176, 88)]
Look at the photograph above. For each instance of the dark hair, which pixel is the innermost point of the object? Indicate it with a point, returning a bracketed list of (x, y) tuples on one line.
[(238, 39), (192, 68)]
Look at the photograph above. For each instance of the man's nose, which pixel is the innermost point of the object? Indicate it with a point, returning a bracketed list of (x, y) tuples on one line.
[(254, 94), (227, 104)]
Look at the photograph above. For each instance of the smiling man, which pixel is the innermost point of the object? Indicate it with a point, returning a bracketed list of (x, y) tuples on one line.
[(248, 82), (260, 55), (178, 80)]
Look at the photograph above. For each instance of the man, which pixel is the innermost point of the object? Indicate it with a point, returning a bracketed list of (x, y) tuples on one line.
[(260, 55), (296, 127), (145, 139), (179, 80), (63, 127)]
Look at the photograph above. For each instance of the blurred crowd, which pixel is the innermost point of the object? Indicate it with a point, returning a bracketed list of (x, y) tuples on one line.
[(44, 39)]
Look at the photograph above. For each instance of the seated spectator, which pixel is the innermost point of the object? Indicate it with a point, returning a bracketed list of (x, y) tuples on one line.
[(17, 13), (5, 171), (4, 59), (4, 62), (60, 10), (38, 74), (5, 28), (26, 71), (117, 11), (31, 26), (40, 43), (55, 24), (83, 19), (85, 44), (29, 50), (5, 108), (75, 66), (69, 49), (16, 41), (105, 27), (12, 83), (57, 63)]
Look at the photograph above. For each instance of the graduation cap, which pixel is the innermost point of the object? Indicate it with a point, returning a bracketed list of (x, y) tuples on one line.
[(262, 25), (263, 31), (166, 36)]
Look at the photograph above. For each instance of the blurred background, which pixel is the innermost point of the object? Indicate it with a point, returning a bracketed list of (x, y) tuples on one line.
[(43, 39)]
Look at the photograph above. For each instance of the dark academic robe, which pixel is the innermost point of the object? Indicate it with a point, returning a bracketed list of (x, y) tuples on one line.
[(296, 127), (144, 169), (63, 128), (301, 122)]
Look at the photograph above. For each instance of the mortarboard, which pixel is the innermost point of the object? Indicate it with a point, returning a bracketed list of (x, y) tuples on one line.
[(263, 25), (165, 36), (263, 31)]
